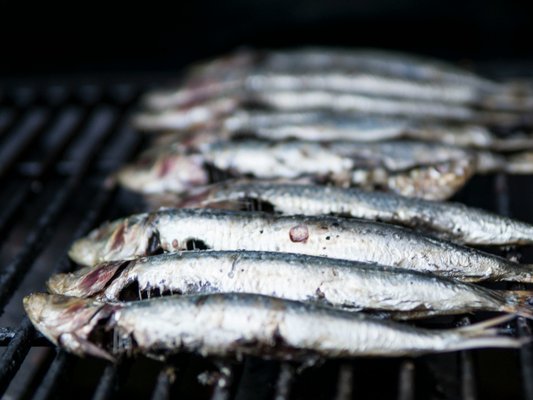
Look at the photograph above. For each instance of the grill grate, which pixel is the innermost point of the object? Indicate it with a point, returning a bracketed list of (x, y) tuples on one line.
[(58, 145)]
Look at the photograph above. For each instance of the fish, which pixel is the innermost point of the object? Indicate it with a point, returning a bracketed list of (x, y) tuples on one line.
[(175, 230), (448, 220), (365, 71), (316, 100), (323, 126), (411, 168), (237, 324), (328, 127), (349, 285)]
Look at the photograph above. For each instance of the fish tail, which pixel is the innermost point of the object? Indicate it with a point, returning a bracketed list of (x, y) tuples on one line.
[(521, 163), (484, 334), (519, 302), (519, 273)]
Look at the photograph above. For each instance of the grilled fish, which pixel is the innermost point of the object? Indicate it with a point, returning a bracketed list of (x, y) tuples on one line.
[(174, 230), (363, 128), (238, 324), (453, 221), (411, 168), (373, 72), (344, 284)]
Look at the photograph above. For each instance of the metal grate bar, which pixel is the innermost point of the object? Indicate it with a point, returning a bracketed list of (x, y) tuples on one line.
[(10, 212), (13, 273), (32, 126), (165, 379), (345, 382), (57, 370), (223, 384), (501, 188), (8, 334), (406, 381), (467, 376), (15, 353), (108, 383), (7, 367), (285, 379)]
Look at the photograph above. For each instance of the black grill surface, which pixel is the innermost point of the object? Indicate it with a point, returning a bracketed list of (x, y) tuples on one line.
[(58, 146)]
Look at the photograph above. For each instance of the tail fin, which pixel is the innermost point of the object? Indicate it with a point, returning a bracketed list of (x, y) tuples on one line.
[(484, 334), (519, 302), (521, 163)]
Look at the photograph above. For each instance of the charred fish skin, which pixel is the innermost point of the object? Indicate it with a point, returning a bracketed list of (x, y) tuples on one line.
[(449, 220), (238, 324), (339, 283), (174, 230)]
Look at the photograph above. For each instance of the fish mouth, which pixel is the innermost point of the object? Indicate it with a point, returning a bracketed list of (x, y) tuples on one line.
[(88, 281), (54, 315), (81, 326), (87, 250)]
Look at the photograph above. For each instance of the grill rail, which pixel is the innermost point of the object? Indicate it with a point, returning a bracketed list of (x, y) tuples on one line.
[(91, 137)]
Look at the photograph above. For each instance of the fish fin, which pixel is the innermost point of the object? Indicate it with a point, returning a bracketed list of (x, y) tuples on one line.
[(521, 163), (520, 302), (483, 334), (82, 347), (485, 326)]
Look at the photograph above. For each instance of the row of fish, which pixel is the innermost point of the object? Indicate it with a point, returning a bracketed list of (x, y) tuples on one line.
[(324, 268)]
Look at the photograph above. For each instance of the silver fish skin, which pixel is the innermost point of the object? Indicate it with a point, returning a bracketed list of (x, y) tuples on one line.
[(174, 230), (238, 324), (449, 220), (342, 284)]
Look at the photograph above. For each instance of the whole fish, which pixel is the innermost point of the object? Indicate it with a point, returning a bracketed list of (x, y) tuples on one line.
[(343, 284), (238, 324), (322, 127), (411, 168), (315, 100), (357, 70), (453, 221), (325, 127), (174, 230)]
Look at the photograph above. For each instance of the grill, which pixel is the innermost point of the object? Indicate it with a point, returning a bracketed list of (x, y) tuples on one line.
[(58, 146)]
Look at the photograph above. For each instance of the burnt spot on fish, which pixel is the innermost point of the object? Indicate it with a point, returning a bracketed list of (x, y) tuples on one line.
[(299, 234)]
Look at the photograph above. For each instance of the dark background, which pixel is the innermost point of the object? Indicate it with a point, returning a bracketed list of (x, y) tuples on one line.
[(50, 38)]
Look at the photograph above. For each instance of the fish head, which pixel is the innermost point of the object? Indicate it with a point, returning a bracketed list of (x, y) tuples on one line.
[(69, 321), (86, 282), (118, 240), (164, 172)]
